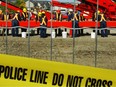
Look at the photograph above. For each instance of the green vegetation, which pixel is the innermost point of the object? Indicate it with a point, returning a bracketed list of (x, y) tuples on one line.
[(18, 3)]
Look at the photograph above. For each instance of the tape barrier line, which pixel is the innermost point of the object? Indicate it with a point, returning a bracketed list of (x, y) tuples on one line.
[(27, 72), (58, 27), (53, 27)]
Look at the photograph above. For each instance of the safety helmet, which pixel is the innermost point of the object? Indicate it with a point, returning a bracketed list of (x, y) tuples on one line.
[(39, 13), (98, 12), (24, 10), (35, 12), (70, 10), (43, 12)]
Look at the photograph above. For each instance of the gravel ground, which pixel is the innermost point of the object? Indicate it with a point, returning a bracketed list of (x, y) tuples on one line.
[(62, 49)]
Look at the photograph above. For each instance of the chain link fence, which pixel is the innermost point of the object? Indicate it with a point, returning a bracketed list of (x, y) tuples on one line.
[(83, 50)]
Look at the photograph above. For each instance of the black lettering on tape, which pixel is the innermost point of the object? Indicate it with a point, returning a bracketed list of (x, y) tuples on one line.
[(18, 74), (74, 81), (11, 73), (93, 83), (58, 79), (1, 69), (104, 83), (24, 74), (88, 81), (31, 76), (45, 77), (38, 76), (6, 72), (110, 83), (55, 79), (14, 73), (99, 83)]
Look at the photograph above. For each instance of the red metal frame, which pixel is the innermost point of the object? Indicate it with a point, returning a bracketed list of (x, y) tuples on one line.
[(59, 24), (108, 5), (67, 5), (15, 8), (90, 5), (10, 6), (105, 5)]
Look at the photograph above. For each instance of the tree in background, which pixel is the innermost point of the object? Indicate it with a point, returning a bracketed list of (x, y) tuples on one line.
[(3, 8), (20, 3)]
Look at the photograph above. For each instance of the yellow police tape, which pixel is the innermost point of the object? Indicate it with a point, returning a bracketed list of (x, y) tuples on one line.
[(26, 72)]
